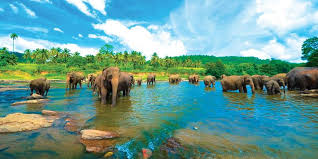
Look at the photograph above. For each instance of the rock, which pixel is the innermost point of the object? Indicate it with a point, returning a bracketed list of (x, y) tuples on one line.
[(71, 125), (310, 91), (18, 122), (90, 134), (50, 113), (310, 95), (35, 101), (34, 96), (146, 153), (11, 89), (172, 145), (98, 146), (108, 154)]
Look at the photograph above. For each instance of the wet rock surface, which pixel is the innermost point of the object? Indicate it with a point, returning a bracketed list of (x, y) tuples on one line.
[(50, 113), (172, 145), (18, 122), (72, 125), (98, 146), (34, 96), (35, 101), (91, 134)]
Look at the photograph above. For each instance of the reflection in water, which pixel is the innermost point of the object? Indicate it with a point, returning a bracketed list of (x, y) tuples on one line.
[(229, 124)]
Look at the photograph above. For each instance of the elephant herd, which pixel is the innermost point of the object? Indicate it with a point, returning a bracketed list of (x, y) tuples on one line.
[(111, 82)]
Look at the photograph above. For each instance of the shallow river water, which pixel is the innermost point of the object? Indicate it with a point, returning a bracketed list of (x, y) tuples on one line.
[(211, 123)]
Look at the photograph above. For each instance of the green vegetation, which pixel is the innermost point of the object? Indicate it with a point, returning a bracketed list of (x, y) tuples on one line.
[(56, 62), (310, 51)]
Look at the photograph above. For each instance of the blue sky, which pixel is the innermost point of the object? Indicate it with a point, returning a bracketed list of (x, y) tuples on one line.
[(260, 28)]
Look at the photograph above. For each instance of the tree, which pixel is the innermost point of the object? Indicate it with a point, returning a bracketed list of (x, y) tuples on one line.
[(13, 36), (27, 55), (6, 58), (310, 51), (215, 68), (155, 60)]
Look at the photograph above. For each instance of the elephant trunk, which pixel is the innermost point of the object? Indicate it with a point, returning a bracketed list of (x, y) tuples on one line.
[(115, 82), (284, 87)]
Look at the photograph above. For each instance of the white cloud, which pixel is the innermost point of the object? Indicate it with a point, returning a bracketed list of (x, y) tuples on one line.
[(282, 16), (98, 5), (42, 1), (58, 30), (104, 38), (80, 35), (26, 28), (291, 51), (1, 10), (140, 39), (153, 27), (28, 11), (22, 44), (14, 8)]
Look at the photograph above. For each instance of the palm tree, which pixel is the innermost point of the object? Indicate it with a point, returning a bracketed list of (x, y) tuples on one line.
[(27, 55), (13, 36)]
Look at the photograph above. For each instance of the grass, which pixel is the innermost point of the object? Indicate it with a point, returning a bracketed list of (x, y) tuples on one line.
[(23, 71)]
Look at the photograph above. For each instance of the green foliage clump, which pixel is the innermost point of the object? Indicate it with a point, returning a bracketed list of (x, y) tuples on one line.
[(6, 58), (310, 51), (215, 68)]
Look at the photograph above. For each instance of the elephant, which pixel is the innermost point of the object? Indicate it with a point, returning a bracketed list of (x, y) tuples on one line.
[(237, 83), (132, 79), (282, 76), (295, 73), (272, 87), (74, 78), (125, 83), (109, 84), (97, 85), (139, 81), (91, 79), (151, 79), (258, 81), (194, 79), (280, 81), (174, 79), (40, 85), (307, 79), (208, 80), (222, 76)]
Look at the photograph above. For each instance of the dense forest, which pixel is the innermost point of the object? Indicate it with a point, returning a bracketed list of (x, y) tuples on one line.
[(61, 61)]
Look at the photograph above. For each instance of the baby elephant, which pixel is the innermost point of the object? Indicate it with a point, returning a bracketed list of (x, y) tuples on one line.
[(272, 87), (139, 81)]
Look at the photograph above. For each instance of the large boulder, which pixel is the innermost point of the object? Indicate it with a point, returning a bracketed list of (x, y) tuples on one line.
[(91, 134), (50, 113), (35, 101), (18, 122)]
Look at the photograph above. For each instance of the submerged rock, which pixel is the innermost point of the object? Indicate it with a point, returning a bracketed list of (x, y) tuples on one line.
[(98, 146), (146, 153), (71, 125), (310, 95), (172, 145), (18, 122), (34, 96), (91, 134), (35, 101), (108, 154), (50, 113)]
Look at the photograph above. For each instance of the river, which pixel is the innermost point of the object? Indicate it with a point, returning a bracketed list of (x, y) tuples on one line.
[(209, 122)]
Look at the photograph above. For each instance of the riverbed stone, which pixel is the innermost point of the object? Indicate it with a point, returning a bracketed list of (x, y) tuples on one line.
[(108, 154), (91, 134), (49, 113), (18, 122), (98, 146), (146, 153), (172, 145), (71, 125), (3, 89), (35, 101), (310, 95), (34, 96)]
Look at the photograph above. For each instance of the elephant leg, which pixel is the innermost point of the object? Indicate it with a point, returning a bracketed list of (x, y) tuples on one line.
[(103, 95), (31, 89), (245, 89), (47, 91), (241, 89), (80, 83)]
